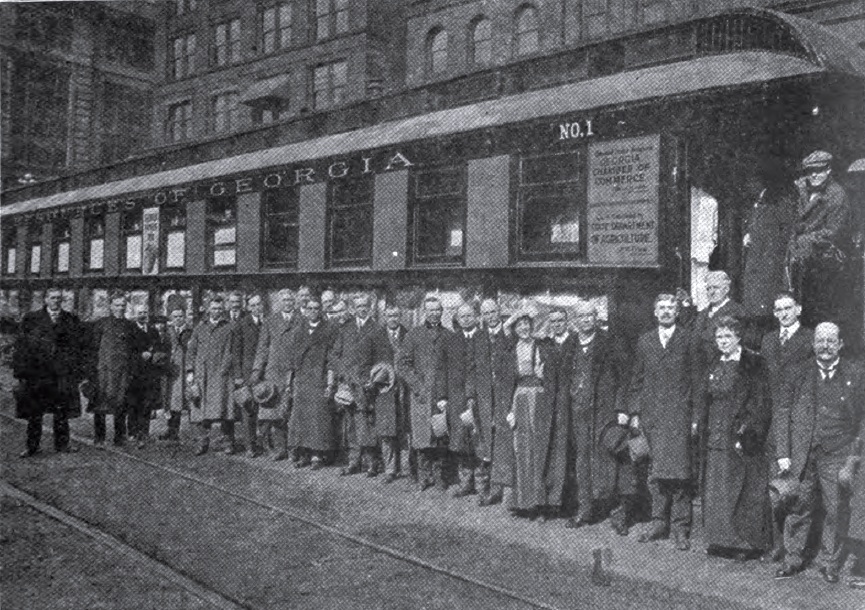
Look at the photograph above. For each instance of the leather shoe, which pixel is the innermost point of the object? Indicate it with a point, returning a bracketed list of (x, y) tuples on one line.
[(424, 485), (576, 523), (28, 453), (620, 528), (829, 575), (202, 449), (303, 463), (371, 473), (462, 492), (656, 533), (316, 464), (389, 478), (349, 470), (682, 543), (786, 572)]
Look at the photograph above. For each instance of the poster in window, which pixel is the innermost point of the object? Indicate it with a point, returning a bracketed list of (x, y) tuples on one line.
[(35, 258), (623, 202), (97, 251), (11, 260), (133, 252), (224, 258), (224, 236), (63, 257), (175, 245), (150, 242)]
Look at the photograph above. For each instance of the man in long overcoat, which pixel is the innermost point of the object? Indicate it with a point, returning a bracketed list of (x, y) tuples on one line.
[(661, 408), (178, 334), (145, 391), (310, 425), (49, 361), (421, 362), (856, 535), (116, 362), (583, 386), (391, 409), (247, 329), (273, 364), (817, 436), (359, 344), (209, 366)]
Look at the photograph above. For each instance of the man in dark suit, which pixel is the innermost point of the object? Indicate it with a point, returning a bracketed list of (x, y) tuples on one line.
[(494, 343), (661, 408), (234, 310), (246, 331), (391, 417), (49, 361), (720, 304), (819, 422), (145, 390), (583, 386), (784, 350), (559, 334)]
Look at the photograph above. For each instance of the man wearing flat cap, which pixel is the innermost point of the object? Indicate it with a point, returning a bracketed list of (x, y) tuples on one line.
[(817, 252)]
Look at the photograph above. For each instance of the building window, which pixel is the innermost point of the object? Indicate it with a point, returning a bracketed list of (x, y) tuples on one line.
[(595, 18), (226, 43), (34, 25), (130, 43), (62, 240), (34, 248), (331, 18), (182, 56), (173, 237), (349, 222), (222, 231), (226, 112), (276, 28), (481, 42), (527, 34), (183, 7), (10, 249), (280, 227), (179, 125), (131, 228), (437, 51), (550, 205), (653, 11), (438, 215), (265, 115), (125, 121), (328, 85), (94, 254)]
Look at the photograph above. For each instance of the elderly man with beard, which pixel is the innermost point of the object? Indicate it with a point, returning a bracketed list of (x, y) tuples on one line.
[(818, 437)]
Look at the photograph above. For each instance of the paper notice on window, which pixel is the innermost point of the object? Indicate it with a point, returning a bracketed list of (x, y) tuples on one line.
[(456, 238), (223, 258), (133, 252), (224, 236), (63, 257), (150, 242), (624, 179), (565, 233), (35, 258), (11, 260), (175, 257), (97, 250)]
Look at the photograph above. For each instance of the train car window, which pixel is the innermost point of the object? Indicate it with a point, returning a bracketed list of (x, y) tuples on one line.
[(527, 34), (62, 240), (173, 228), (10, 249), (438, 215), (94, 255), (222, 232), (131, 226), (349, 222), (550, 205), (280, 223), (34, 248)]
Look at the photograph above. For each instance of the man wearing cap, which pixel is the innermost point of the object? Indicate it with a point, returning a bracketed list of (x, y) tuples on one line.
[(49, 361), (178, 334), (817, 252), (245, 343), (209, 366), (272, 365), (818, 438)]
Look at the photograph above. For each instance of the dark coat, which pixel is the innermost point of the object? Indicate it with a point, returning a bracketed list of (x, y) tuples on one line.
[(175, 380), (703, 331), (49, 360), (857, 503), (245, 346), (744, 417), (310, 424), (146, 386), (660, 393), (116, 363), (489, 401), (824, 219), (273, 363), (208, 356), (391, 409), (797, 419), (422, 363), (580, 424)]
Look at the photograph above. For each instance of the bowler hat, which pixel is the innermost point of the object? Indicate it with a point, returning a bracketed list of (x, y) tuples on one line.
[(263, 392), (638, 447), (614, 438), (439, 424), (242, 396), (382, 376), (819, 159)]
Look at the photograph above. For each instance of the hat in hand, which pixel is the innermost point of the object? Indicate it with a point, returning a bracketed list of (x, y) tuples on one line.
[(382, 376), (614, 439), (242, 396), (87, 389), (638, 447), (263, 392), (468, 418), (193, 392), (439, 424)]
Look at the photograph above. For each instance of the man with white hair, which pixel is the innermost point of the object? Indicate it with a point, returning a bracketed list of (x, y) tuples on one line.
[(145, 389), (818, 435), (720, 304)]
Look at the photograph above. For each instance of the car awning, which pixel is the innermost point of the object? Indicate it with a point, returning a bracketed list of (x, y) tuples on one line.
[(267, 91), (699, 75)]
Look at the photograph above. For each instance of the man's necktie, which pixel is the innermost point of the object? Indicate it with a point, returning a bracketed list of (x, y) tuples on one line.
[(785, 335)]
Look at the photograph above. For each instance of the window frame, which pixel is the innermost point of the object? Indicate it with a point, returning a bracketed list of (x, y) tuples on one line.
[(268, 220), (34, 245), (473, 41), (335, 211), (131, 226), (230, 112), (10, 244), (214, 224), (229, 52), (333, 21), (182, 65), (416, 203), (437, 51), (60, 238), (280, 28), (332, 85), (172, 123), (519, 33), (167, 228)]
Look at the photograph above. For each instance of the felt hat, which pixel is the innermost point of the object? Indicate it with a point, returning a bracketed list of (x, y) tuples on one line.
[(382, 376), (263, 392), (614, 438)]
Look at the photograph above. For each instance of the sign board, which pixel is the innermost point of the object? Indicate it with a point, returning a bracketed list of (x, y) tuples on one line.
[(150, 242), (623, 202)]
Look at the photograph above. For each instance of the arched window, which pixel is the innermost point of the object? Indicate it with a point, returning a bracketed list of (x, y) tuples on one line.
[(437, 43), (480, 42), (527, 33)]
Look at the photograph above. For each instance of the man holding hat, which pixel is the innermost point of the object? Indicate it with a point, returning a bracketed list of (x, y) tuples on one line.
[(246, 331), (817, 252)]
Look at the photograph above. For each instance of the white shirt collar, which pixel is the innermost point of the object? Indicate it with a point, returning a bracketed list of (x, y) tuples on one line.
[(588, 340), (790, 330), (559, 339), (666, 333), (470, 333), (361, 321), (734, 357)]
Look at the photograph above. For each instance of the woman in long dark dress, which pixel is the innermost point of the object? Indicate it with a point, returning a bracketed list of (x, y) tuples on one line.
[(735, 396)]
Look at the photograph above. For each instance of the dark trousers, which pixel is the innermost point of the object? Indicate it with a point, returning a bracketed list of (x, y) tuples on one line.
[(277, 432), (671, 504), (61, 430), (249, 415), (391, 454), (99, 428), (173, 424), (819, 483)]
